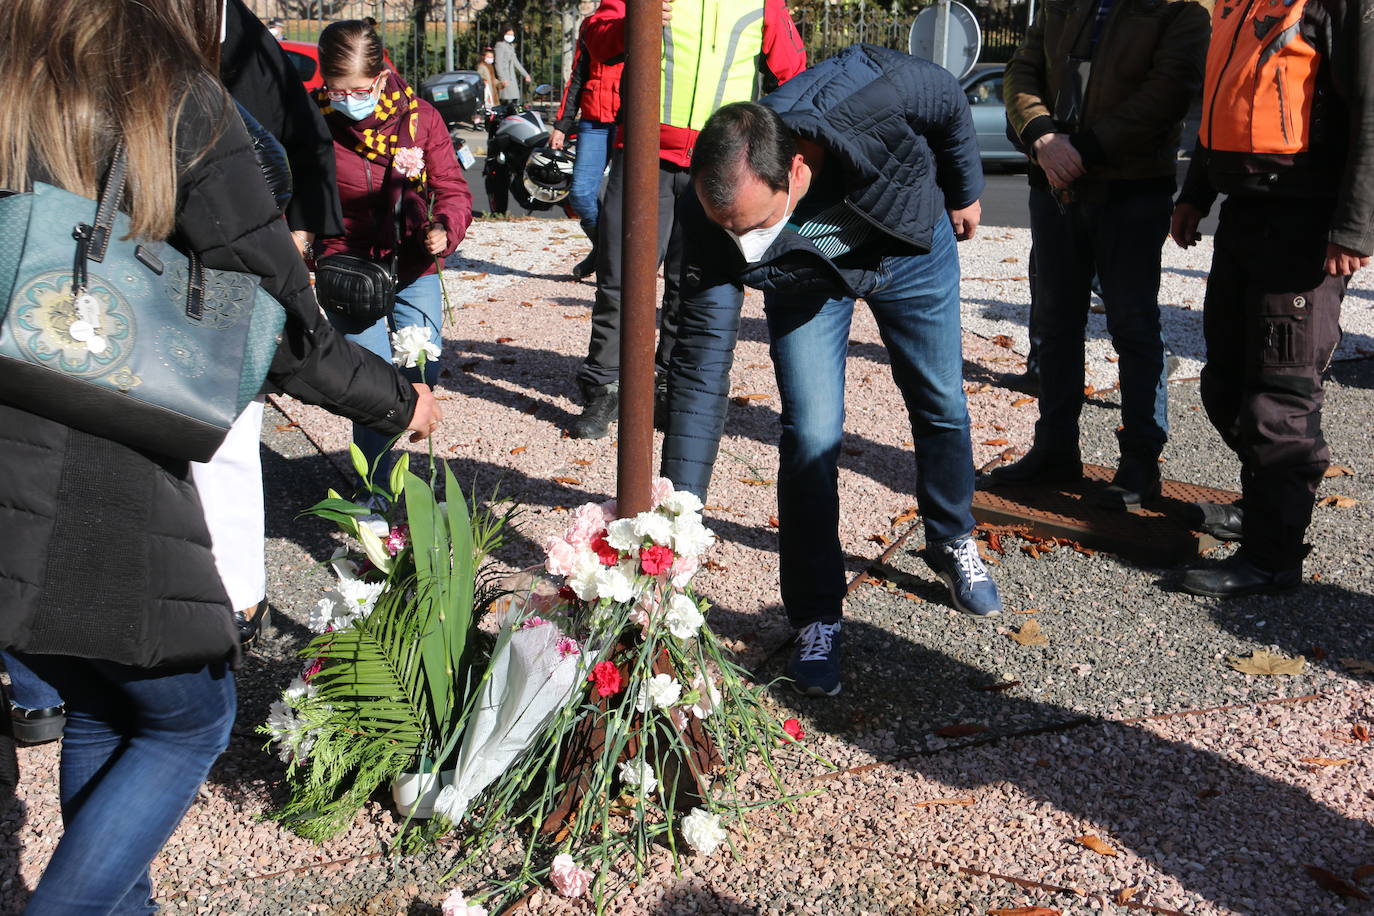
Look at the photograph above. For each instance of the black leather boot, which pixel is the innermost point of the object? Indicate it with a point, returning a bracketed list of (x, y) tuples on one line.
[(1137, 480), (1039, 467), (603, 404), (1223, 521), (1237, 575)]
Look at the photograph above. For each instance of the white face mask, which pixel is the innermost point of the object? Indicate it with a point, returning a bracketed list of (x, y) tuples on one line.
[(510, 37), (488, 59), (755, 242)]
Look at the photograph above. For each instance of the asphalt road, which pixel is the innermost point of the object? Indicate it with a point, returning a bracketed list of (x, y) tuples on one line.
[(1004, 200)]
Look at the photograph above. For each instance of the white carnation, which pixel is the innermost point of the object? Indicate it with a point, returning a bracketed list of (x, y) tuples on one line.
[(620, 534), (660, 691), (298, 690), (690, 537), (708, 697), (638, 774), (409, 343), (682, 502), (322, 616), (583, 580), (654, 526), (614, 585), (702, 831), (684, 617)]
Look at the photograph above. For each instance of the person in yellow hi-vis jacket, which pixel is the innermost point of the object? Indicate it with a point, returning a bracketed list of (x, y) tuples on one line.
[(1287, 135), (714, 52)]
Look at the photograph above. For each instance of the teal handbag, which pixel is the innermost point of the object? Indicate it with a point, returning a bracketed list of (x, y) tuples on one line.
[(125, 339)]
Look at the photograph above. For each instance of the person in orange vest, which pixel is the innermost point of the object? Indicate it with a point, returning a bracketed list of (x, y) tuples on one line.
[(1287, 135)]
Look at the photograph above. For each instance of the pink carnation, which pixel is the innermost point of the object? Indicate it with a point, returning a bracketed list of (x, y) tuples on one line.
[(455, 904), (559, 556), (566, 646), (660, 490), (409, 161), (588, 522), (567, 878), (398, 539), (533, 622), (684, 568)]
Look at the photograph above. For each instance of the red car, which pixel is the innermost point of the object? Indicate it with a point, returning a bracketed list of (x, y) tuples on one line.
[(305, 56)]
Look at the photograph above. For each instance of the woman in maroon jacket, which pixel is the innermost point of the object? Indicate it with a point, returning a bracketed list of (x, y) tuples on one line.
[(378, 123)]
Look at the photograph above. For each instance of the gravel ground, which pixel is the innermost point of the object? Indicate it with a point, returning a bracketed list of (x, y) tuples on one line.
[(1212, 813)]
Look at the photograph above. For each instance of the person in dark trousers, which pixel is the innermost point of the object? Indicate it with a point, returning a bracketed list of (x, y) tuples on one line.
[(1097, 94), (852, 181), (591, 104), (1287, 135), (714, 53)]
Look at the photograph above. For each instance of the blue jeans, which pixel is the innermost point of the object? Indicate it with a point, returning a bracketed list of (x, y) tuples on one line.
[(28, 690), (916, 304), (1120, 238), (138, 745), (421, 304), (594, 142)]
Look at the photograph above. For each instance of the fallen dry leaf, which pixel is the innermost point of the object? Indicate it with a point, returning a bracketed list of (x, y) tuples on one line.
[(1357, 666), (505, 339), (1030, 635), (992, 688), (1124, 895), (1089, 391), (1096, 844), (570, 481), (1022, 402), (1359, 732), (282, 427), (518, 449), (1026, 911), (1002, 340), (1266, 663), (1029, 610), (909, 514), (754, 481), (882, 539), (1334, 883), (1325, 761), (1339, 470), (773, 522), (1364, 871), (743, 399), (930, 803), (996, 442), (1338, 502), (581, 462), (963, 730)]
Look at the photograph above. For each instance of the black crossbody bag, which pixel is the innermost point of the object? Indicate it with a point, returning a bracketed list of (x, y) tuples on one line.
[(357, 287)]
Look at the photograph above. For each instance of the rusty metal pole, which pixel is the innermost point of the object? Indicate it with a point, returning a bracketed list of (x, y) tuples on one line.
[(639, 252)]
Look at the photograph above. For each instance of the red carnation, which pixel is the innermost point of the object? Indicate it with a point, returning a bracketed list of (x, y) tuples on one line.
[(606, 677), (567, 594), (607, 554), (655, 559), (793, 729)]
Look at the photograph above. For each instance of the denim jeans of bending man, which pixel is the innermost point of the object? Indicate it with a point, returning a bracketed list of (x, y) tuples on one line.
[(421, 304), (594, 142), (1119, 237), (916, 305), (27, 689), (138, 745)]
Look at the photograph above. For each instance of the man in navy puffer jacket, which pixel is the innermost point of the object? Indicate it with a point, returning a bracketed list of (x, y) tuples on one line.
[(852, 181)]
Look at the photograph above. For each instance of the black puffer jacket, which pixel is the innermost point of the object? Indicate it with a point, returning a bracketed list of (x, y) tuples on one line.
[(103, 550)]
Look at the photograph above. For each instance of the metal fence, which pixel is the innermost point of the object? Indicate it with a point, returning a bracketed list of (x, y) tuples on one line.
[(414, 31)]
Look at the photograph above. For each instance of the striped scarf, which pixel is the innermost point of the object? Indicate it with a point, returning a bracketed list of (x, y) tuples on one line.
[(378, 136)]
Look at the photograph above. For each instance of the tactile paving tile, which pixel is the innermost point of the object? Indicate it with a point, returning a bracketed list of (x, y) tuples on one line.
[(1157, 534)]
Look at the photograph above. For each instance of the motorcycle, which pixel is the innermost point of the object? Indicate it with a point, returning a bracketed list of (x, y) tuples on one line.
[(513, 132)]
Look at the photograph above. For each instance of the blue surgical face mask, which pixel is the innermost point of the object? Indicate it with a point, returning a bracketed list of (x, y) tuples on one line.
[(357, 109)]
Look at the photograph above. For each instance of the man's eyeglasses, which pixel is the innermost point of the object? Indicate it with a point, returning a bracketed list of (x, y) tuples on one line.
[(338, 95)]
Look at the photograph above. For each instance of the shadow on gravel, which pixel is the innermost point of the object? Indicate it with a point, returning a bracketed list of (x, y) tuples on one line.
[(14, 894), (461, 262), (685, 899), (1225, 832)]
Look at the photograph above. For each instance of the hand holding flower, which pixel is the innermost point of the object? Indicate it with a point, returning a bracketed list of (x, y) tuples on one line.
[(436, 240)]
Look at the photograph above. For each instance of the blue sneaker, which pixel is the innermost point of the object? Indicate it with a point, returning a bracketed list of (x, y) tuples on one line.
[(815, 664), (959, 565)]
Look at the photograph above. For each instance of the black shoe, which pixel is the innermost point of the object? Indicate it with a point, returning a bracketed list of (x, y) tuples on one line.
[(1222, 521), (1137, 480), (1028, 382), (585, 267), (37, 726), (250, 627), (603, 404), (1039, 466), (1236, 576)]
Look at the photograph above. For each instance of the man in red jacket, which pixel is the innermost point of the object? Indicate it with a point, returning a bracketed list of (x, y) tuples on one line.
[(699, 77)]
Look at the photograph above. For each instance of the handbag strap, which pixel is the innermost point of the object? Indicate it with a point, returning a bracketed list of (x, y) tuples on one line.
[(92, 242)]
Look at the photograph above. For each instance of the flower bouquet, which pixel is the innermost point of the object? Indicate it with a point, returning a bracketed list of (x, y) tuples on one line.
[(386, 682), (644, 747)]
